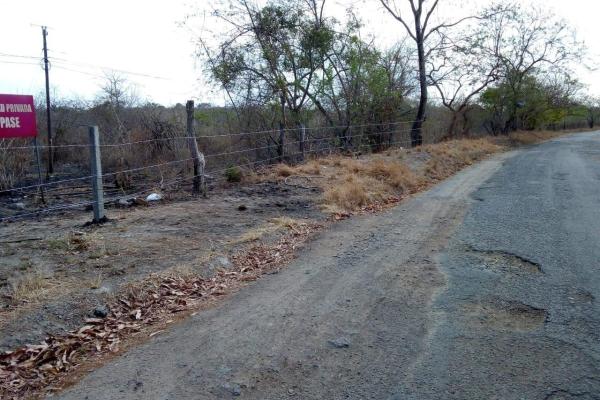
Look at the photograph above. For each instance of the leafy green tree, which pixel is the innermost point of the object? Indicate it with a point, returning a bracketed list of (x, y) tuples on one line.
[(270, 54), (537, 103), (362, 85)]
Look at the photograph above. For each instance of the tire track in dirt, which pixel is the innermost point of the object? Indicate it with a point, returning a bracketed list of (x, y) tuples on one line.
[(348, 319)]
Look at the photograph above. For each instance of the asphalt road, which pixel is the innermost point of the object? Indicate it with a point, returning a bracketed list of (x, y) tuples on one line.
[(485, 287)]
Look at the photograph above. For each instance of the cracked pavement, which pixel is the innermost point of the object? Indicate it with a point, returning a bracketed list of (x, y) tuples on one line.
[(520, 317), (485, 287)]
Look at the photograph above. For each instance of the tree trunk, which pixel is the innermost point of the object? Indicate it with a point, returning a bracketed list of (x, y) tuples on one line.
[(416, 133), (452, 128), (466, 131)]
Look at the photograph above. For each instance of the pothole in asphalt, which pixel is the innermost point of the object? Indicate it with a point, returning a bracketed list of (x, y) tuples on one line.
[(505, 261), (506, 315)]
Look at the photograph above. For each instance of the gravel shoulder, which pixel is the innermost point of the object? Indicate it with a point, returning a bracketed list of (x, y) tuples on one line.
[(352, 317)]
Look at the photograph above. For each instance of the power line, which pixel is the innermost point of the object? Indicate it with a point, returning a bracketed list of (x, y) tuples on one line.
[(18, 63), (77, 71), (19, 56), (94, 66)]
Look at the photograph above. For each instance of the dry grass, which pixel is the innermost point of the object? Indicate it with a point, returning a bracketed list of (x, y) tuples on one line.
[(96, 283), (29, 287), (284, 170), (312, 167), (447, 158), (72, 242), (350, 194), (349, 183), (274, 225), (353, 184), (533, 137), (395, 174), (287, 222)]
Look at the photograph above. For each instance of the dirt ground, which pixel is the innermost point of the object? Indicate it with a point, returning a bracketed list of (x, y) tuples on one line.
[(55, 272)]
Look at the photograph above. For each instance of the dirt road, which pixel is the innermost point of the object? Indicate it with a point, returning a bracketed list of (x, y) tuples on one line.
[(483, 287)]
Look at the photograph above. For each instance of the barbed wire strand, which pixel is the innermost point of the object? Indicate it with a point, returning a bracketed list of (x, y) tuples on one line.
[(133, 195), (82, 145)]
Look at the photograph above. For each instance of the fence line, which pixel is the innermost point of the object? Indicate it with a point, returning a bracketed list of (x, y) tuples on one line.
[(133, 195), (114, 199), (53, 183), (184, 138)]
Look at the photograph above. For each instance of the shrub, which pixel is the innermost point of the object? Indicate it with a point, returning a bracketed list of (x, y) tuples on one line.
[(13, 164), (233, 174)]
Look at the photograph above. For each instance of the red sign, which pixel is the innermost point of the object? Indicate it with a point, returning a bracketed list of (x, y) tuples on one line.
[(17, 116)]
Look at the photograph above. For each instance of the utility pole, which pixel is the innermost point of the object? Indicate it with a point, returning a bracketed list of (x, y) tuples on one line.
[(48, 117)]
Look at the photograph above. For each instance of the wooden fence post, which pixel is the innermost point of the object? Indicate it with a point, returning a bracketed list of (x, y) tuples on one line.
[(303, 142), (96, 168), (196, 155), (280, 144)]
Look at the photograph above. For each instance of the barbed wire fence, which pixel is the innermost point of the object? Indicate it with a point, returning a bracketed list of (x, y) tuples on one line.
[(246, 151)]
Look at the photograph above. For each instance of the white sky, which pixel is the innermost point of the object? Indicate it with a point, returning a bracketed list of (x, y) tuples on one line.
[(143, 36)]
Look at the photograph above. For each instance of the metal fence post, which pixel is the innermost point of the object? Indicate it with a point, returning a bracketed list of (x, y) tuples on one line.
[(39, 168), (96, 168)]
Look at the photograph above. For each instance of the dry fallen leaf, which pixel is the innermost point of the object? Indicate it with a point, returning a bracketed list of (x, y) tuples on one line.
[(32, 368)]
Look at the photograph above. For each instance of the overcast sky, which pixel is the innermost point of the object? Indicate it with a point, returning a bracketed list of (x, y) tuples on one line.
[(143, 39)]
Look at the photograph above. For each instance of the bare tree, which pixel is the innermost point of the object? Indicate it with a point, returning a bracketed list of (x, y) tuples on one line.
[(462, 68), (118, 91), (113, 106), (421, 29)]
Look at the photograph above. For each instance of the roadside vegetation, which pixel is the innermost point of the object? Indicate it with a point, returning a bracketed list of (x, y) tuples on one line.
[(352, 183), (290, 66)]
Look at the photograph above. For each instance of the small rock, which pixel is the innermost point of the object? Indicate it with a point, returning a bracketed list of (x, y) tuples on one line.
[(242, 207), (233, 388), (339, 343), (223, 261), (101, 312), (154, 197), (123, 203), (102, 290), (18, 206)]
